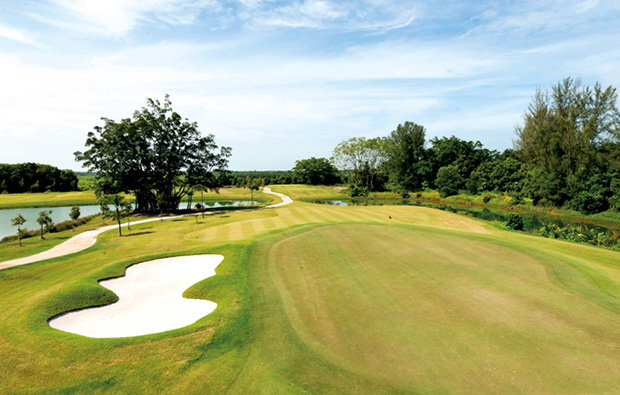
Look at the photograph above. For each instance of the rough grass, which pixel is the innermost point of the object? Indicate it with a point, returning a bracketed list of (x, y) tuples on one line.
[(330, 300)]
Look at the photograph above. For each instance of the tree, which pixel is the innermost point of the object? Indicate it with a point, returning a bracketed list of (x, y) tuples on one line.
[(157, 155), (572, 134), (465, 155), (74, 215), (202, 189), (34, 177), (363, 160), (121, 208), (449, 181), (405, 146), (315, 171), (19, 221), (44, 220), (253, 184), (104, 208)]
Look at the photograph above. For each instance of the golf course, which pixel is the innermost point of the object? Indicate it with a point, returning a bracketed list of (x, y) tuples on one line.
[(328, 299)]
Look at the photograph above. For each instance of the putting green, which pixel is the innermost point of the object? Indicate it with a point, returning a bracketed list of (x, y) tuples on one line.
[(428, 311)]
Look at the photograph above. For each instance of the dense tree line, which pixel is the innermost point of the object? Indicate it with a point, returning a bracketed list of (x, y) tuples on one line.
[(157, 155), (567, 154), (34, 177), (239, 178)]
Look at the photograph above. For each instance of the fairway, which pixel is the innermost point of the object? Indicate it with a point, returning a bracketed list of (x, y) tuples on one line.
[(324, 299)]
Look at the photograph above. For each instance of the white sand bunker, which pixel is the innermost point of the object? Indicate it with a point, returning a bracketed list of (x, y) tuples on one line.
[(150, 300)]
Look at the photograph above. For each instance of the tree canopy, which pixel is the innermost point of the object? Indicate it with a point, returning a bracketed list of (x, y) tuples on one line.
[(157, 155), (569, 136), (315, 171), (405, 147), (35, 177), (363, 161)]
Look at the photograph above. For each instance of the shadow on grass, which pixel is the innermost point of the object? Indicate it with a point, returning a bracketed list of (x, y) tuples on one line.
[(138, 234)]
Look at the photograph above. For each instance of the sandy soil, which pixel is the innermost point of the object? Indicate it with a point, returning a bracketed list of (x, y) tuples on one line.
[(149, 302)]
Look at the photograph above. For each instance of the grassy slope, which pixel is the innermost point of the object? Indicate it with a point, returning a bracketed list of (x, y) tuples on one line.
[(481, 299)]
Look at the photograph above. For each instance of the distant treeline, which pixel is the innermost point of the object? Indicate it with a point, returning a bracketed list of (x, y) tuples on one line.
[(567, 154), (35, 177), (240, 178), (310, 171)]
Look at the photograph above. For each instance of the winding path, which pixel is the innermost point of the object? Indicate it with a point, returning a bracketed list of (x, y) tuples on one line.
[(86, 239)]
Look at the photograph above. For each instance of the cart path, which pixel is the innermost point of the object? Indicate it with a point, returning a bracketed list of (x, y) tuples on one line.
[(86, 239)]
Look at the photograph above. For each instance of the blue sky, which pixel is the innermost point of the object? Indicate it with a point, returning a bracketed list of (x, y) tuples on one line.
[(280, 81)]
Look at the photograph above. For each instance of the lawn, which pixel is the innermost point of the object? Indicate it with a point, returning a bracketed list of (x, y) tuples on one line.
[(297, 191), (47, 199), (56, 199), (323, 299)]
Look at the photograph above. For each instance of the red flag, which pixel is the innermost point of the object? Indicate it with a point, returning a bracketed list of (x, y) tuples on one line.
[(390, 216)]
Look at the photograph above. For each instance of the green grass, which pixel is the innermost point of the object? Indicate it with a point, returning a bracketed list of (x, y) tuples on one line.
[(47, 199), (324, 299), (56, 199), (297, 191), (33, 245)]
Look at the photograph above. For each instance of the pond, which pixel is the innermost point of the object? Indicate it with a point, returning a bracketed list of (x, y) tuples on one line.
[(61, 214)]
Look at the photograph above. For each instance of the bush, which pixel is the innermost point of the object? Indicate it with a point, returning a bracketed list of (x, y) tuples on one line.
[(356, 191), (589, 203), (514, 221), (515, 198), (449, 181), (486, 198)]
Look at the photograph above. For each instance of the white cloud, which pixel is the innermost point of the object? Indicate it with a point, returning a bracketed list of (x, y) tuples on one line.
[(118, 17), (13, 34), (325, 14)]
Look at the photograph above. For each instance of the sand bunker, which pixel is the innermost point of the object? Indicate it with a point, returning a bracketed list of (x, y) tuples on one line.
[(150, 300)]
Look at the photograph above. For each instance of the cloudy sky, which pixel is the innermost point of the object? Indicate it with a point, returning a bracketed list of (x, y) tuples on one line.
[(280, 81)]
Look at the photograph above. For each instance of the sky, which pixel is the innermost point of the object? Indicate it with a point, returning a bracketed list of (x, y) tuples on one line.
[(280, 81)]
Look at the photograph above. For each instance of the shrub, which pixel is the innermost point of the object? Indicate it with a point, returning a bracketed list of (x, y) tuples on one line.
[(357, 191), (486, 198), (514, 221)]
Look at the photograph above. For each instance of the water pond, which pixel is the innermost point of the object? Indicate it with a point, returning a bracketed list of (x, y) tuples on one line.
[(61, 214)]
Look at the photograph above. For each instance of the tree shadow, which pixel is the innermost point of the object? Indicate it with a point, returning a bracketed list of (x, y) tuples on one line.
[(137, 234)]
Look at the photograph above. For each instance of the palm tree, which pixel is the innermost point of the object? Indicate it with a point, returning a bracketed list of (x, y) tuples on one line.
[(202, 189)]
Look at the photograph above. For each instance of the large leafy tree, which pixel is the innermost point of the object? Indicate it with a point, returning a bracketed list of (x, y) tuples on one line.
[(315, 171), (363, 161), (405, 147), (157, 155)]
